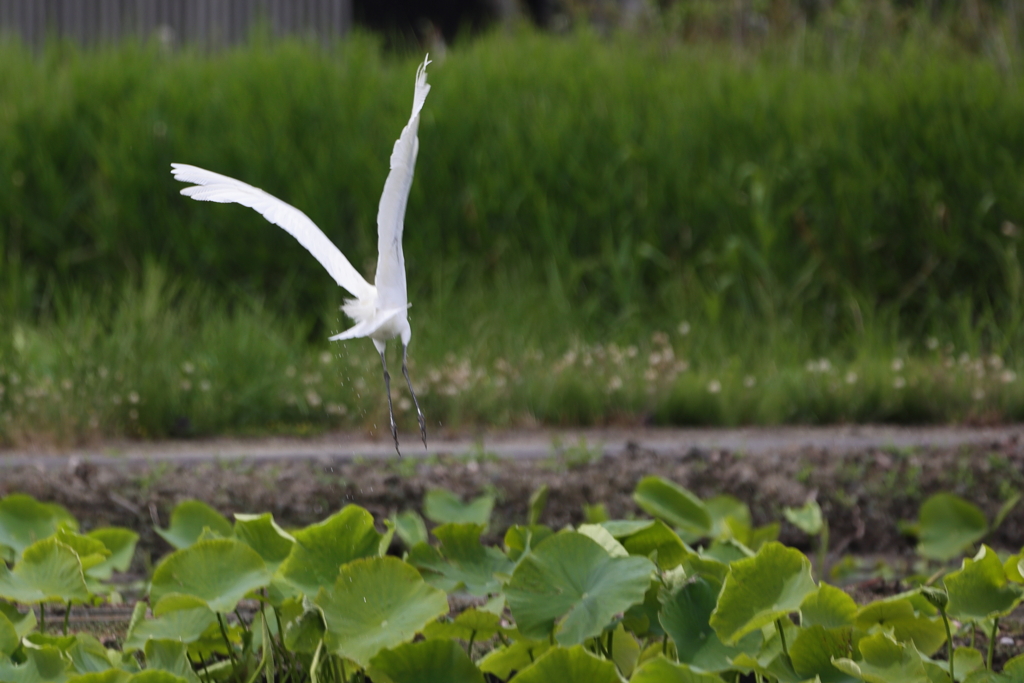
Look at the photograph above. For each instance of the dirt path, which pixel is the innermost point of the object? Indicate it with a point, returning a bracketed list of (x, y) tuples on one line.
[(758, 441)]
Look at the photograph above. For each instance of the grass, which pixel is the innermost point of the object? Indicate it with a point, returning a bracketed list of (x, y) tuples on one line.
[(601, 230)]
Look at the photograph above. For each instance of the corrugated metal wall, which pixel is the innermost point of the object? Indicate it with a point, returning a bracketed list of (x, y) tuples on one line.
[(206, 22)]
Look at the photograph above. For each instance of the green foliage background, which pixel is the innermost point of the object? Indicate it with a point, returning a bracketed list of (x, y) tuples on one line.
[(625, 178)]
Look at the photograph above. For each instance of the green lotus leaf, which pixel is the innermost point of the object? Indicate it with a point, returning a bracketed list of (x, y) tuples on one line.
[(1014, 568), (814, 648), (807, 518), (571, 581), (948, 525), (9, 638), (623, 528), (262, 534), (729, 517), (24, 623), (538, 501), (967, 660), (1013, 672), (521, 540), (444, 507), (502, 661), (60, 642), (661, 670), (465, 562), (45, 664), (569, 665), (90, 551), (105, 676), (121, 545), (49, 570), (885, 661), (642, 618), (304, 625), (410, 528), (625, 650), (428, 661), (88, 655), (219, 571), (24, 520), (320, 549), (899, 615), (670, 502), (157, 676), (471, 624), (188, 521), (828, 606), (377, 603), (176, 616), (657, 537), (600, 535), (685, 616), (760, 589), (980, 589), (170, 656)]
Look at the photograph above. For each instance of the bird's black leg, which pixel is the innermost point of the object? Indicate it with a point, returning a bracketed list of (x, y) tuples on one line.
[(391, 410), (419, 413)]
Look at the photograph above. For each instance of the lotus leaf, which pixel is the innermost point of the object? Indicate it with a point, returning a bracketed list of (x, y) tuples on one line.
[(657, 537), (760, 589), (502, 661), (320, 549), (88, 654), (948, 525), (105, 676), (828, 606), (899, 615), (175, 617), (23, 623), (410, 528), (675, 505), (520, 540), (429, 661), (219, 571), (623, 528), (188, 521), (885, 661), (90, 551), (571, 581), (304, 625), (471, 624), (625, 650), (444, 507), (980, 589), (966, 660), (729, 517), (24, 521), (9, 638), (44, 664), (807, 518), (685, 617), (538, 501), (170, 656), (156, 676), (814, 648), (661, 670), (375, 604), (262, 534), (466, 562), (1013, 672), (599, 534), (49, 570), (569, 665), (121, 544)]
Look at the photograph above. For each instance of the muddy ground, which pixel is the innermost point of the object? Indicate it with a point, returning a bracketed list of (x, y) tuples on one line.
[(864, 493)]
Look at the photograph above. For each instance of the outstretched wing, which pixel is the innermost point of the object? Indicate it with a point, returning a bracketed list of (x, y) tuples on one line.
[(390, 278), (214, 187)]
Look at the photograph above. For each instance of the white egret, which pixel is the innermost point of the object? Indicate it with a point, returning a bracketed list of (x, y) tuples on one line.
[(379, 310)]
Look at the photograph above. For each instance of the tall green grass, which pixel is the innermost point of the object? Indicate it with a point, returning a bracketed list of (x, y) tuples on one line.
[(576, 201)]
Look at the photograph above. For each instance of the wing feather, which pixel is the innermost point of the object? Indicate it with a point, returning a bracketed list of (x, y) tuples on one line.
[(390, 278), (214, 187)]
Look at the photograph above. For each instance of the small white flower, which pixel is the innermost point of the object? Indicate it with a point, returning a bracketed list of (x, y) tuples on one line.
[(188, 368), (615, 383), (336, 409), (133, 397), (714, 386), (325, 358), (684, 328), (851, 377), (899, 383), (1008, 376), (995, 362), (313, 399), (185, 385), (897, 364), (932, 343), (204, 385), (404, 404), (749, 381)]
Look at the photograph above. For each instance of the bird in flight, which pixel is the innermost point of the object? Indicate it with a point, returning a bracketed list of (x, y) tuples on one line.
[(379, 310)]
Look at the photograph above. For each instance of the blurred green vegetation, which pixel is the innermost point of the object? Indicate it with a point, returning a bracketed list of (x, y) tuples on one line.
[(847, 191)]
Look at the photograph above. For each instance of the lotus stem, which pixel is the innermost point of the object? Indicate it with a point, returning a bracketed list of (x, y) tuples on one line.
[(67, 617), (227, 641), (42, 617), (782, 637), (992, 643), (469, 645), (949, 643)]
